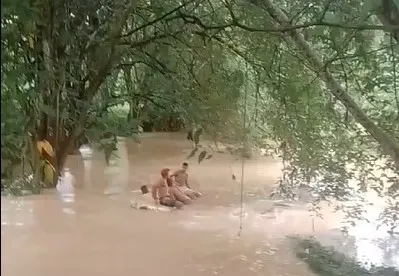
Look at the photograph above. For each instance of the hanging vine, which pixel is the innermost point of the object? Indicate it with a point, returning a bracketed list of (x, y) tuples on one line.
[(244, 146)]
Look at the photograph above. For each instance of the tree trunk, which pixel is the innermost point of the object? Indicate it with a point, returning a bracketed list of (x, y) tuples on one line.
[(388, 13), (389, 145), (79, 79), (127, 74)]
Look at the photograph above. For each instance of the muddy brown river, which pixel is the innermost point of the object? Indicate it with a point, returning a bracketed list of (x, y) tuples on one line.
[(98, 233)]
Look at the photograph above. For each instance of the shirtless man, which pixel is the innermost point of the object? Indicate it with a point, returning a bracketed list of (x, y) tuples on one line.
[(161, 194), (177, 193), (181, 179)]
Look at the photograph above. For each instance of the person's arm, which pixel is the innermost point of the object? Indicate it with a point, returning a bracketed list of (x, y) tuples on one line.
[(188, 186), (172, 195), (154, 190)]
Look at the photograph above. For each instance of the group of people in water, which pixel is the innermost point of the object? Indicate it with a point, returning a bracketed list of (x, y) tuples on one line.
[(173, 189)]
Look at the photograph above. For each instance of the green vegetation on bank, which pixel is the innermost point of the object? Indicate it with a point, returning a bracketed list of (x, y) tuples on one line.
[(326, 261)]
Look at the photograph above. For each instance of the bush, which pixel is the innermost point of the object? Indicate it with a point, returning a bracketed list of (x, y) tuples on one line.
[(326, 261), (21, 186)]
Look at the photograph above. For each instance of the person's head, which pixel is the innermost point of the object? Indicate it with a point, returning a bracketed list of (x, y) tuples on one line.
[(185, 166), (165, 173)]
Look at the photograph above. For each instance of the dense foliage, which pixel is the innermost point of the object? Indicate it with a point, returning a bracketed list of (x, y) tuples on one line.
[(319, 79)]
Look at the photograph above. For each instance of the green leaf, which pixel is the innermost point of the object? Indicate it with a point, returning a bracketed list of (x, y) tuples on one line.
[(201, 156), (312, 32), (332, 18), (366, 8), (238, 78), (369, 86)]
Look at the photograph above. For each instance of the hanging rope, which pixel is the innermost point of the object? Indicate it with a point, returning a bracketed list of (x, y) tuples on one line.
[(244, 147), (241, 194)]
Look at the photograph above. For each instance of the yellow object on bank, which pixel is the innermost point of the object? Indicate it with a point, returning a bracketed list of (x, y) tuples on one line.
[(48, 169), (31, 41), (48, 172), (46, 146)]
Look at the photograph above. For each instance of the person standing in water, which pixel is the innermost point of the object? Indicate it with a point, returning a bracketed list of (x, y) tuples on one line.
[(161, 194), (181, 179)]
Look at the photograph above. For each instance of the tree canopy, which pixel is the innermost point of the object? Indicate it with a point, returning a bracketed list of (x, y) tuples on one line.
[(320, 79)]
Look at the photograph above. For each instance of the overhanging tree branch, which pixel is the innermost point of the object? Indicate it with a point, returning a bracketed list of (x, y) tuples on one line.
[(389, 145), (341, 57), (191, 19), (158, 19), (146, 41)]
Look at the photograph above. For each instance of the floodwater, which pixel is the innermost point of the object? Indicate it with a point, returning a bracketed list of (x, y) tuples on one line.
[(96, 232)]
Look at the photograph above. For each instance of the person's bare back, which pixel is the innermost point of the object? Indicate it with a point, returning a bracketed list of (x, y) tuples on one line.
[(159, 189)]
